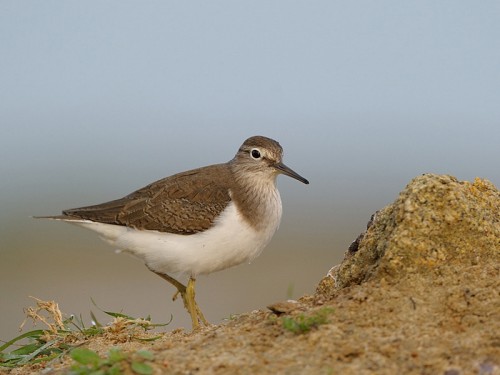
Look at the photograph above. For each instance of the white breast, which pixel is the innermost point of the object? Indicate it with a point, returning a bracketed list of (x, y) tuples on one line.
[(229, 242)]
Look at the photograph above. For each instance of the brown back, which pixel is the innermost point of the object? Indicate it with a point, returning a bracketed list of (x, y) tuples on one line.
[(185, 203)]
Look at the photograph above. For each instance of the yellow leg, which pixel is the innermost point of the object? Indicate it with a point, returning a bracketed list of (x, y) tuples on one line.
[(192, 307), (188, 297)]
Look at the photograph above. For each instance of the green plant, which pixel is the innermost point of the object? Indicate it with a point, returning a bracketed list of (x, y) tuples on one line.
[(117, 362), (304, 323), (63, 335)]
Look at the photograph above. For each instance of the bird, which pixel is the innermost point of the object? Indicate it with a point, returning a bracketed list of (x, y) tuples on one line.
[(196, 222)]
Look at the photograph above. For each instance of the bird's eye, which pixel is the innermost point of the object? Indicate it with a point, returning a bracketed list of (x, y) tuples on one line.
[(255, 153)]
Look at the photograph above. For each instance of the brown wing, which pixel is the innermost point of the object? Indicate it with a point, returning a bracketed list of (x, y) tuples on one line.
[(185, 203)]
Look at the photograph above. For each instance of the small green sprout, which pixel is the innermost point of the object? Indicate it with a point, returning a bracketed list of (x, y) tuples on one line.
[(304, 323)]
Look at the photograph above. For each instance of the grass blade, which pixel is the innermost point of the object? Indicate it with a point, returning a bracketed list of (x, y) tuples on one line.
[(29, 357), (31, 334)]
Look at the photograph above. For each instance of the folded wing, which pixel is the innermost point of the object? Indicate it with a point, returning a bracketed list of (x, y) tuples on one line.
[(185, 203)]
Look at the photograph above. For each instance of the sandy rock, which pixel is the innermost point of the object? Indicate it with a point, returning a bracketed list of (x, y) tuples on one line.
[(437, 224)]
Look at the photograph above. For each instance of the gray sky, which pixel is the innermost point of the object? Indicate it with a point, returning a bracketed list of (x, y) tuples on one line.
[(99, 98), (155, 81)]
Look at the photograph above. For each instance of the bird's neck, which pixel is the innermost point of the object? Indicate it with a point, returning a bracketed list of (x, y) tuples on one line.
[(257, 199)]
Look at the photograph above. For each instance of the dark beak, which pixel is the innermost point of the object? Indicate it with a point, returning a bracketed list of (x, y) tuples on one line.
[(282, 168)]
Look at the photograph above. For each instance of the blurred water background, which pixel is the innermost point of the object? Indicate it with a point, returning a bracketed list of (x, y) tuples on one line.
[(98, 99)]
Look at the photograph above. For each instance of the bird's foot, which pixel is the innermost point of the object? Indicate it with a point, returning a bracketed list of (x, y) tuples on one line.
[(176, 294), (187, 294)]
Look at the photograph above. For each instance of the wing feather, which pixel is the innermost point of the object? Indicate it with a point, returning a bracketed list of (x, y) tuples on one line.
[(185, 203)]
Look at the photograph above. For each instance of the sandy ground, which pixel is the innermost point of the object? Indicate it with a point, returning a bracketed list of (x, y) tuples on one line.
[(417, 293)]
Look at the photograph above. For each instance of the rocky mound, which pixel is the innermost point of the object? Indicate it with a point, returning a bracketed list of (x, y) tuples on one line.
[(438, 224), (426, 278)]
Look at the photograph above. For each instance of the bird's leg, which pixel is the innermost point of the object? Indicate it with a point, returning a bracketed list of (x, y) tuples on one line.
[(181, 288), (194, 310), (188, 297)]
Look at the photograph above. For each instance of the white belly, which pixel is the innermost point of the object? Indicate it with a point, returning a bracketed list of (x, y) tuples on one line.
[(229, 242)]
